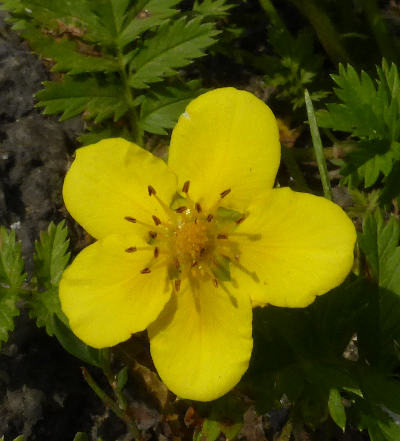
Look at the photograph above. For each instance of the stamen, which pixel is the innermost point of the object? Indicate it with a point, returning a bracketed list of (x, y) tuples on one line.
[(151, 190), (130, 219), (177, 285), (156, 252), (215, 282), (153, 234), (156, 220), (225, 193), (185, 188), (145, 271), (210, 217), (239, 221), (222, 236), (180, 209), (131, 250), (198, 207), (170, 213), (177, 264)]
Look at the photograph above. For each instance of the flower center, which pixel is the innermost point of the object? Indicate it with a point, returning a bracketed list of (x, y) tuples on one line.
[(192, 243), (191, 240)]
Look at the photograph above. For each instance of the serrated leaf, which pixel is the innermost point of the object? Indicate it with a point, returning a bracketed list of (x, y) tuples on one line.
[(50, 258), (147, 14), (174, 46), (97, 99), (380, 244), (11, 280), (336, 408), (212, 8), (68, 58), (51, 255), (162, 107)]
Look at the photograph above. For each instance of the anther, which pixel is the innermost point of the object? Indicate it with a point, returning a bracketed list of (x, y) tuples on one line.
[(177, 285), (180, 209), (130, 219), (145, 271), (215, 282), (156, 220), (240, 220), (225, 193), (198, 207), (151, 190), (131, 250), (210, 218), (222, 236), (177, 264), (156, 252), (153, 234), (185, 188)]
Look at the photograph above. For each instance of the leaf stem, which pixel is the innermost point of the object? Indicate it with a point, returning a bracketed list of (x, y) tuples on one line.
[(324, 28), (319, 151), (137, 133), (111, 404)]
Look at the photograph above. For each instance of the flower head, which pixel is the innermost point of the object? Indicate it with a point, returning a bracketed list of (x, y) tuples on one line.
[(187, 249)]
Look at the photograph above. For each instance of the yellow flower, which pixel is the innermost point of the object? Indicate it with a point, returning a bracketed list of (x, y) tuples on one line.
[(187, 249)]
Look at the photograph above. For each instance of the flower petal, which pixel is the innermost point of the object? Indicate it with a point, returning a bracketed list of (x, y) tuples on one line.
[(305, 249), (109, 180), (105, 296), (201, 343), (226, 139)]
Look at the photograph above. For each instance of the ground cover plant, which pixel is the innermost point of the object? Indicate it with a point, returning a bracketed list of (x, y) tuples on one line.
[(298, 340)]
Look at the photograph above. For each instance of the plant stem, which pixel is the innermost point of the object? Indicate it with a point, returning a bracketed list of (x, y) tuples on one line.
[(106, 366), (137, 133), (132, 427), (324, 28), (319, 151)]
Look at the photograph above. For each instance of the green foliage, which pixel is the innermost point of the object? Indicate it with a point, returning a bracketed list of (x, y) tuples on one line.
[(51, 257), (336, 408), (111, 51), (11, 280), (369, 111), (294, 67)]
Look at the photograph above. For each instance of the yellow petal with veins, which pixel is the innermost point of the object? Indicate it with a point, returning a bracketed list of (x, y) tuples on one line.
[(226, 139), (202, 341), (106, 297), (109, 180), (300, 246)]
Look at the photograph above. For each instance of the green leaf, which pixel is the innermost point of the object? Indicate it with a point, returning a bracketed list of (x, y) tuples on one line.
[(51, 255), (11, 280), (95, 98), (81, 436), (122, 378), (147, 15), (336, 408), (212, 8), (174, 46), (379, 242), (162, 107), (68, 58)]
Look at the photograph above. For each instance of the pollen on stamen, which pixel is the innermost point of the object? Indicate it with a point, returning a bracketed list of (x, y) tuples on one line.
[(198, 207), (156, 252), (185, 188), (177, 285), (222, 236), (156, 220), (145, 271), (225, 193), (210, 218), (151, 190), (131, 250), (130, 219)]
